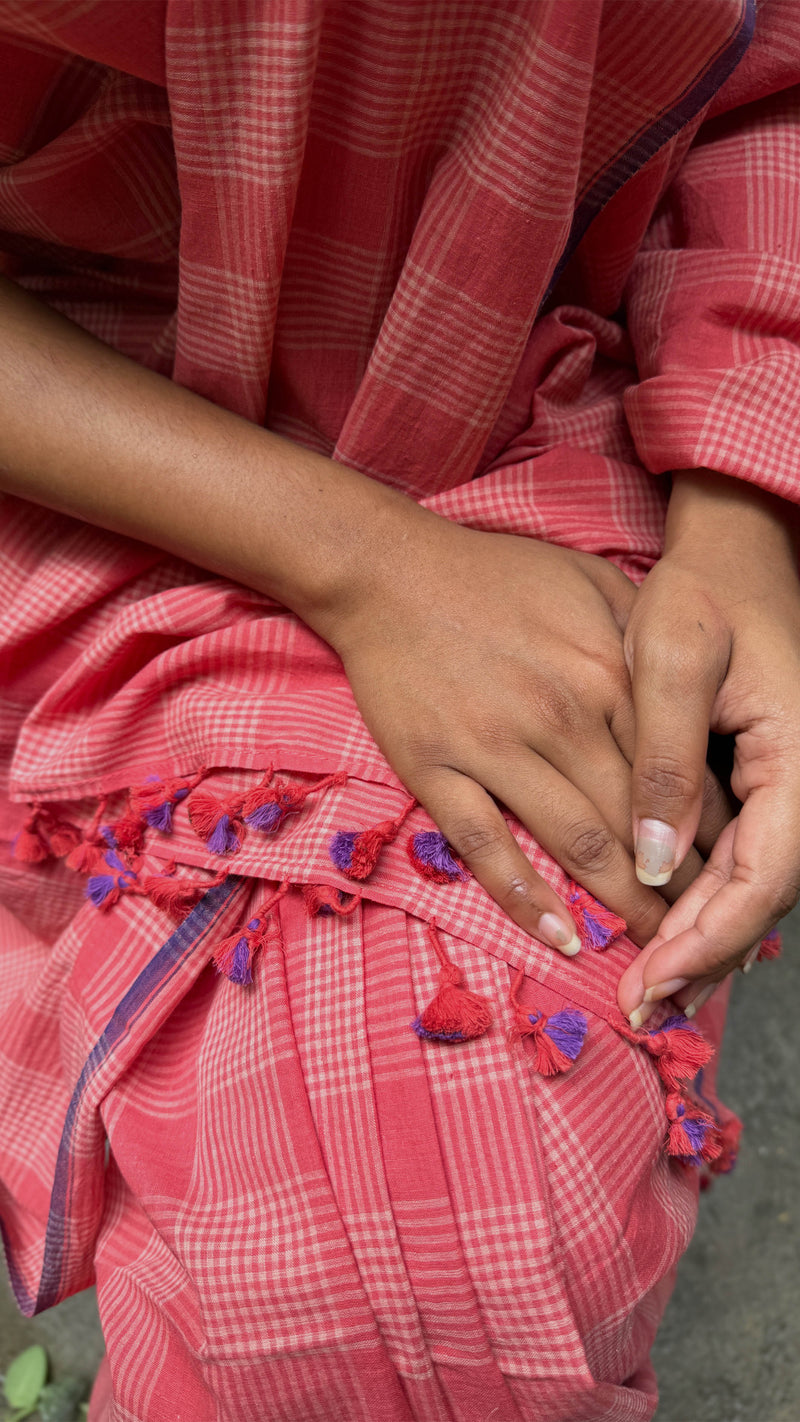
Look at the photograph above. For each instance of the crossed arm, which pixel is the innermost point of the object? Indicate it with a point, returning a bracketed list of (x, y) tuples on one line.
[(488, 667)]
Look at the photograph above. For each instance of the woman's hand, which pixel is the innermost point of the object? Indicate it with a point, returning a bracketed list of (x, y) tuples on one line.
[(485, 665), (490, 666), (713, 642)]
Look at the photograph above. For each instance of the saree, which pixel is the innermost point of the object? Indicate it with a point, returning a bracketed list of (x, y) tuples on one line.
[(517, 260)]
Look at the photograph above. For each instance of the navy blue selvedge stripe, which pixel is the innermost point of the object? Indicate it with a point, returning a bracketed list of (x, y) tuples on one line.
[(623, 166), (153, 979)]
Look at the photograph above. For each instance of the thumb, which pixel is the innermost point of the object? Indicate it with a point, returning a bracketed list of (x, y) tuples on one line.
[(677, 665)]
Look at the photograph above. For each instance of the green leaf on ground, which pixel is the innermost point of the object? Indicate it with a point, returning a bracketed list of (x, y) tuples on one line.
[(25, 1378)]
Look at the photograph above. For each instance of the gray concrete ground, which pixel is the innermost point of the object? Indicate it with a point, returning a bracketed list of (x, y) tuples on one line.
[(728, 1349)]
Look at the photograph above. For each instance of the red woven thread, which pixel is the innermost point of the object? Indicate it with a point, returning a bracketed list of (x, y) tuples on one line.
[(729, 1135), (454, 1014), (259, 795), (322, 898)]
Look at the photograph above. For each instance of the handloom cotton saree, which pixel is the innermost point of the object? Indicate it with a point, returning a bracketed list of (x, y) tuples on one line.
[(517, 260)]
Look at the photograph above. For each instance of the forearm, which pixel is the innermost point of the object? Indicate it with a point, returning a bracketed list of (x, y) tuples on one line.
[(87, 432)]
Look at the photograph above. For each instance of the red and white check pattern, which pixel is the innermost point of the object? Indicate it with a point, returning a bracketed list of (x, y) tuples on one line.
[(343, 221)]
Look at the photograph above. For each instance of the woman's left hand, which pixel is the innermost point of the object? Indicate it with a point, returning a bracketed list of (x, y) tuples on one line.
[(713, 643)]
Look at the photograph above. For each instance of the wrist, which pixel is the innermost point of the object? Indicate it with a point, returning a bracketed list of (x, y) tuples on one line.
[(361, 539), (716, 517)]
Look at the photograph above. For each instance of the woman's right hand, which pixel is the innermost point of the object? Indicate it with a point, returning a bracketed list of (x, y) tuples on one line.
[(489, 667)]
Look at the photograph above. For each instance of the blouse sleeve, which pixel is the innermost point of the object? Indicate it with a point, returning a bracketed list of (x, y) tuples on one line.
[(713, 299)]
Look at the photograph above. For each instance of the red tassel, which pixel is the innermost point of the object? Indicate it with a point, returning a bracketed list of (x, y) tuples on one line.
[(693, 1135), (547, 1059), (355, 852), (556, 1040), (62, 836), (454, 1014), (88, 856), (30, 846), (597, 926), (266, 806), (234, 956), (153, 801), (771, 947), (178, 896), (129, 832), (679, 1049), (321, 898), (218, 823)]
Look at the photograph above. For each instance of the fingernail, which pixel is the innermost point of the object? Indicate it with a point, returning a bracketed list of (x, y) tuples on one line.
[(656, 844), (751, 958), (699, 1001), (552, 931), (639, 1016), (667, 989)]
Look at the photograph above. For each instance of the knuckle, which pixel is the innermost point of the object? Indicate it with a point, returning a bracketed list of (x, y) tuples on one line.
[(717, 873), (676, 660), (617, 681), (667, 780), (557, 711), (474, 838), (590, 846), (426, 752), (497, 735)]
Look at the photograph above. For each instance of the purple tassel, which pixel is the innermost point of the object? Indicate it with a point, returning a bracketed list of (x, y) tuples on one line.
[(223, 839), (98, 888), (266, 818), (239, 971), (597, 926), (159, 817), (108, 835), (697, 1132), (341, 848), (236, 963), (567, 1029), (436, 1036), (432, 857)]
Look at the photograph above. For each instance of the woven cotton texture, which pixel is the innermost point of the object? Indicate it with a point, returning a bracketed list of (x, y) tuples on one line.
[(401, 235)]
